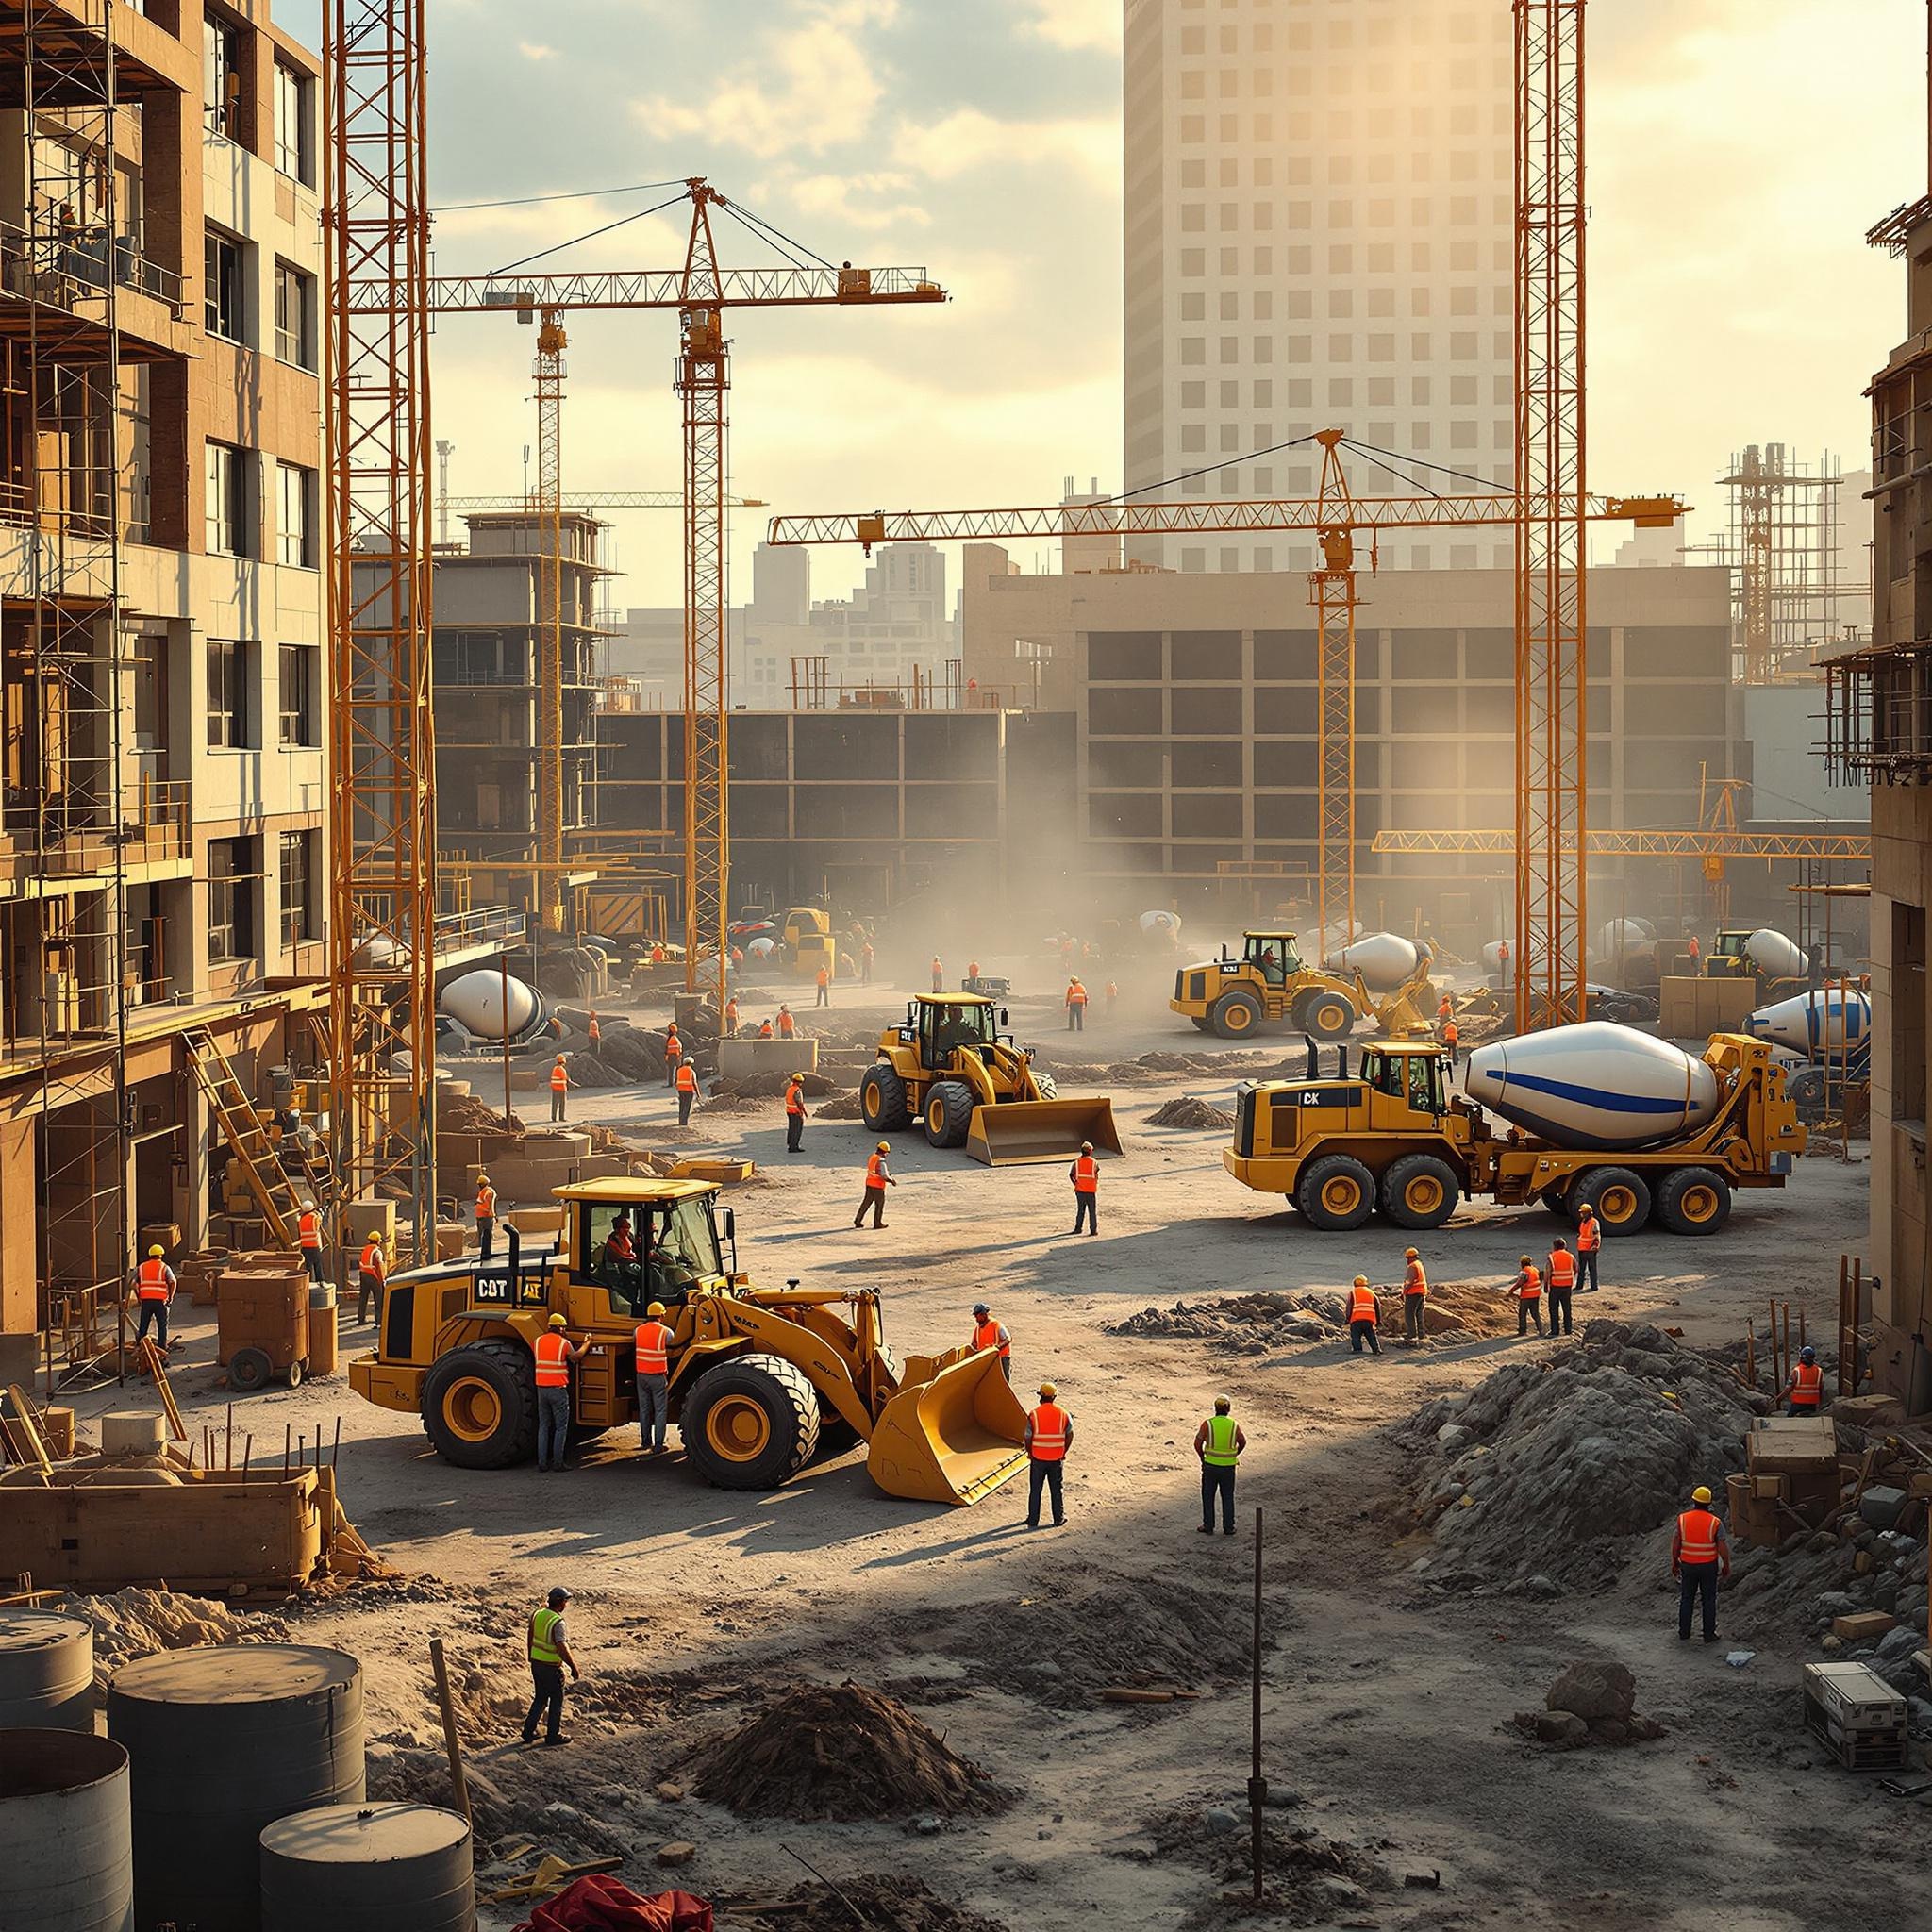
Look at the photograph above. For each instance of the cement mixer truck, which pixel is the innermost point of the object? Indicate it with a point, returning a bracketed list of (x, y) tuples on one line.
[(1599, 1113)]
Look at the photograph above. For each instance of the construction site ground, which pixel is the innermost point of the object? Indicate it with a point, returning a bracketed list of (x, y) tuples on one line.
[(1399, 1793)]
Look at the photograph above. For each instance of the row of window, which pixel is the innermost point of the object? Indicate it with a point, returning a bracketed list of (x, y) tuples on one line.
[(1338, 126), (1463, 392), (1297, 170), (1379, 211), (1297, 304), (232, 525), (227, 283), (1461, 345), (234, 687), (234, 893), (1416, 27), (226, 77)]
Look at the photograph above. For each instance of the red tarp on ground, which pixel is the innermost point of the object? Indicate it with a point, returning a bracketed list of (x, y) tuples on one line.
[(600, 1903)]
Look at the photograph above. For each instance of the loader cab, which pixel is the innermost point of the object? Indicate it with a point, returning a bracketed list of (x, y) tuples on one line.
[(643, 1243), (947, 1024), (1272, 956), (1729, 957), (1415, 1077)]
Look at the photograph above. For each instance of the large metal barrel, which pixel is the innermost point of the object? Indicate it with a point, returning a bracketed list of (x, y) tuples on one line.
[(367, 1868), (224, 1739), (66, 1854), (46, 1672)]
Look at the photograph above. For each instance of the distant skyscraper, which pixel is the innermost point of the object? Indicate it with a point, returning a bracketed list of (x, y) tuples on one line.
[(1318, 234)]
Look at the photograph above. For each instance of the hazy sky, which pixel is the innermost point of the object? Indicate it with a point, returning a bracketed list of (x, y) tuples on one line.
[(1738, 149)]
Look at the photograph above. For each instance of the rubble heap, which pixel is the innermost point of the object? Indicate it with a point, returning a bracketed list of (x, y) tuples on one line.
[(1189, 1112), (881, 1899), (1591, 1703), (1241, 1324)]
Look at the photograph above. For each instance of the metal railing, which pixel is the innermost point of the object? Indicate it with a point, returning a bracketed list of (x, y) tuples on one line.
[(75, 261)]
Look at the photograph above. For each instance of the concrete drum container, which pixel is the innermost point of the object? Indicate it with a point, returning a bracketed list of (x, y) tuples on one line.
[(1775, 955), (66, 1854), (223, 1740), (476, 1001), (366, 1868), (1816, 1023), (1384, 960), (1596, 1085), (46, 1672)]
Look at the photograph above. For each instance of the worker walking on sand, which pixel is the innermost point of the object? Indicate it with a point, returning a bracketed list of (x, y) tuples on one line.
[(549, 1651), (1085, 1175), (372, 1271), (1362, 1317), (1804, 1390), (823, 980), (687, 1091), (877, 1179), (986, 1333), (1450, 1036), (1077, 1006), (560, 1086), (1528, 1290), (308, 1234), (1113, 995), (554, 1352), (674, 1053), (1700, 1554), (1218, 1442), (653, 1340), (154, 1288), (794, 1113), (486, 1215), (1415, 1297), (1590, 1238), (1049, 1436), (939, 975), (1562, 1279)]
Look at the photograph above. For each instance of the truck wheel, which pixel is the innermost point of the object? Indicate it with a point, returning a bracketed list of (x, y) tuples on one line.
[(296, 1370), (1199, 1024), (1419, 1191), (1620, 1196), (1236, 1014), (1327, 1016), (1556, 1201), (882, 1099), (1693, 1200), (1049, 1087), (751, 1423), (1336, 1193), (249, 1370), (1806, 1091), (948, 1113), (479, 1405)]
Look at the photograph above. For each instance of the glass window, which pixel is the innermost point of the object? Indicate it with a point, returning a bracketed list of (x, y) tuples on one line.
[(227, 695), (294, 316), (298, 887), (300, 708), (226, 504), (231, 881), (224, 304), (295, 532), (221, 73), (294, 126)]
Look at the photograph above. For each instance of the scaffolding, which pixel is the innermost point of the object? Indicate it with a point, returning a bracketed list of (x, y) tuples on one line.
[(1783, 550)]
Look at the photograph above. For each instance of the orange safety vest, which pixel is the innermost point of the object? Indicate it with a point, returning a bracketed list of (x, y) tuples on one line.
[(795, 1098), (1076, 994), (1808, 1385), (765, 1031), (823, 976), (673, 1047), (654, 1343), (1450, 1036), (786, 1022), (1697, 1537), (731, 1015), (308, 1229), (596, 1031), (1589, 1234), (1049, 1433), (1562, 1268), (151, 1280), (560, 1078), (1416, 1282), (875, 1171), (1529, 1285), (1086, 1175), (987, 1335), (1361, 1304), (553, 1360), (370, 1262), (485, 1203), (972, 969), (1443, 1011), (687, 1077)]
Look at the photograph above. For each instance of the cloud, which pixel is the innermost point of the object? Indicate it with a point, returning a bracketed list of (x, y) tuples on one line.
[(969, 139), (853, 201), (536, 50), (1077, 24)]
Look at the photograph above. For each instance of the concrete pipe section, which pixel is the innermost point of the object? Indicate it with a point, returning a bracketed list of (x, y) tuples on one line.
[(360, 1867), (66, 1849), (46, 1672)]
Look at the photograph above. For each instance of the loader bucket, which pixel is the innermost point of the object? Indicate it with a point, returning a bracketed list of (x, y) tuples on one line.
[(1011, 1132), (953, 1436)]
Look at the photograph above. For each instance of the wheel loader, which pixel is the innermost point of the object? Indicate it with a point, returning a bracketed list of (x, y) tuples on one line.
[(761, 1379), (951, 1067), (1269, 982)]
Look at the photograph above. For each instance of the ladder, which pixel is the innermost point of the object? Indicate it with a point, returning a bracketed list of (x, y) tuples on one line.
[(281, 1195)]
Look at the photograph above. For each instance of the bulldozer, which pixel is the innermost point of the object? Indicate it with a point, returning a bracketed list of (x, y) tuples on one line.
[(761, 1380), (952, 1066), (1269, 982)]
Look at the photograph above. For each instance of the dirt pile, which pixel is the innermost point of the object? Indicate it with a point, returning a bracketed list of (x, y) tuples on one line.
[(1453, 1311), (844, 1106), (902, 1903), (1593, 1701), (469, 1115), (1241, 1324), (1189, 1112), (136, 1622), (1307, 1879), (1551, 1471), (771, 1086), (838, 1751)]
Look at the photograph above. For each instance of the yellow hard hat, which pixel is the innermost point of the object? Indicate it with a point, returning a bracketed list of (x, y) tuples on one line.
[(558, 1322), (1048, 1391), (1410, 1255), (481, 1178), (798, 1076), (885, 1147), (157, 1251), (1699, 1494), (656, 1309), (1361, 1281), (1527, 1261)]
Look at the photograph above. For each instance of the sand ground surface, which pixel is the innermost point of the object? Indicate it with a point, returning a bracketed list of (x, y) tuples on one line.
[(1385, 1709)]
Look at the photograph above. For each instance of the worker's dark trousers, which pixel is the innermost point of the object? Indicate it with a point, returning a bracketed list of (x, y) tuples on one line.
[(654, 1407), (485, 1236), (1412, 1306), (794, 1132), (1044, 1475), (313, 1257), (548, 1695), (1086, 1212), (1793, 1408), (671, 1069), (1359, 1332), (825, 998), (1559, 1310), (865, 974), (1529, 1308), (1217, 1480), (1077, 1019), (1585, 1268), (1697, 1580), (156, 1312), (684, 1101), (874, 1199), (552, 1426), (368, 1296), (556, 1103)]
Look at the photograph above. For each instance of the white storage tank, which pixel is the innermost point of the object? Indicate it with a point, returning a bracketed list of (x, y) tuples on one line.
[(46, 1672), (1828, 1022), (363, 1868), (1384, 960), (477, 1001), (1775, 955), (66, 1850), (1156, 925), (1624, 936), (1594, 1085)]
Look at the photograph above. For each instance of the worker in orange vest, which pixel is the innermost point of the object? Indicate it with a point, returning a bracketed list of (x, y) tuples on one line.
[(596, 1031), (371, 1274), (1804, 1390), (765, 1030), (794, 1114), (554, 1352), (1415, 1297), (823, 980), (1528, 1290), (674, 1052), (1113, 994), (1590, 1238), (486, 1215), (1562, 1279), (939, 975), (972, 969), (986, 1333), (1077, 1006), (658, 953), (1443, 1010), (877, 1179), (731, 1015), (687, 1077), (1049, 1436), (308, 1234), (154, 1288), (1363, 1313), (787, 1024), (1700, 1554), (1450, 1036), (1085, 1175), (865, 964), (560, 1086), (1696, 951), (1502, 962), (654, 1341)]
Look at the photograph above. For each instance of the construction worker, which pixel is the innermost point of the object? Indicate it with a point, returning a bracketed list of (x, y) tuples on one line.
[(654, 1379), (596, 1031), (1218, 1442), (549, 1651), (1562, 1279), (986, 1333), (370, 1272), (731, 1015), (765, 1030), (1049, 1436), (1415, 1297), (1444, 1008), (972, 971), (1696, 949), (1085, 1175), (939, 975), (788, 1024), (877, 1179), (555, 1353), (309, 1234), (1502, 962), (1077, 1006), (1113, 994), (1450, 1036), (687, 1091), (154, 1288), (560, 1086), (1590, 1238), (865, 964), (1363, 1314), (1700, 1554), (1528, 1290), (674, 1052), (656, 952), (823, 980), (794, 1113), (1804, 1389), (486, 1215)]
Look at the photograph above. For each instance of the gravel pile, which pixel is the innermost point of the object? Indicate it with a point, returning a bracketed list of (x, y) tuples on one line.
[(1241, 1324), (1189, 1112)]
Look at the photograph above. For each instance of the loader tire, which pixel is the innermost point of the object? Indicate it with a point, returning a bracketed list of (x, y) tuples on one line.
[(1619, 1196), (1419, 1191), (1236, 1014), (1200, 1024), (1336, 1193), (249, 1370), (1327, 1016), (948, 1113), (1693, 1200), (882, 1099), (752, 1422), (1049, 1087), (479, 1405)]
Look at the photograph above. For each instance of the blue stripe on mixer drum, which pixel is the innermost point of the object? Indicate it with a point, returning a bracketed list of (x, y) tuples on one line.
[(1592, 1096)]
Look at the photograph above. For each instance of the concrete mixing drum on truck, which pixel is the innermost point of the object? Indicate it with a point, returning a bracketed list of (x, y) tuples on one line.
[(1601, 1114)]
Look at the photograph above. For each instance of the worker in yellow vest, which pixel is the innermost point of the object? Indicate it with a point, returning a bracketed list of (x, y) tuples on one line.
[(687, 1091), (370, 1272), (308, 1235), (486, 1215), (560, 1086), (1085, 1175), (794, 1114), (1049, 1436), (1590, 1239), (554, 1352), (1700, 1554), (1363, 1313), (549, 1652), (654, 1339), (823, 980), (1218, 1442), (986, 1333), (1562, 1278), (877, 1179), (154, 1288), (1528, 1289), (1415, 1298)]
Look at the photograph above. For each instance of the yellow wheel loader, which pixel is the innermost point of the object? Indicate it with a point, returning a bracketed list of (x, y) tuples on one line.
[(1269, 982), (761, 1379), (952, 1069)]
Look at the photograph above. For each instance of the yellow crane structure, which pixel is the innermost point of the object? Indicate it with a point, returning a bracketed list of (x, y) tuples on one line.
[(1703, 842)]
